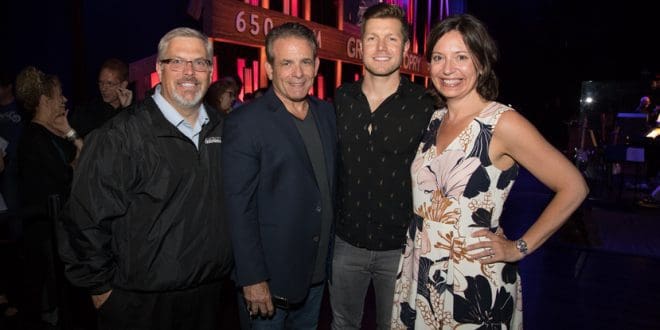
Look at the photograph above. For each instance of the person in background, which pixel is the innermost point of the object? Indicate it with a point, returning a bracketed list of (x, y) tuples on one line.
[(221, 95), (380, 122), (458, 268), (47, 154), (239, 86), (12, 122), (115, 96), (248, 97), (279, 180), (145, 231), (647, 107), (651, 153), (259, 93), (644, 105), (8, 256)]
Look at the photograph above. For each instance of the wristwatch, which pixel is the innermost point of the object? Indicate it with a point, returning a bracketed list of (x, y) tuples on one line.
[(521, 245), (71, 135)]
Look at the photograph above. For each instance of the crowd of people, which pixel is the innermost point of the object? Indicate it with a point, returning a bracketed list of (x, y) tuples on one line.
[(149, 207)]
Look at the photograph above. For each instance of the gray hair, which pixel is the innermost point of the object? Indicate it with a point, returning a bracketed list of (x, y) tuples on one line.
[(185, 33), (286, 30)]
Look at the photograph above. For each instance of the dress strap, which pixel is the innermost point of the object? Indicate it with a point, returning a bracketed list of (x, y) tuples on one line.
[(491, 114)]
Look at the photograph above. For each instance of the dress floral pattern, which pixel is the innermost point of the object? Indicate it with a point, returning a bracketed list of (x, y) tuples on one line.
[(439, 285)]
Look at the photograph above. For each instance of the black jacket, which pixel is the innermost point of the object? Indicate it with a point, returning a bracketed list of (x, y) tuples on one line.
[(43, 171), (274, 203), (91, 116), (146, 211)]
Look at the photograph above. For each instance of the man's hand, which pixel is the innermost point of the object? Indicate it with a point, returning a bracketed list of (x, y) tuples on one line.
[(258, 299), (125, 96), (100, 299)]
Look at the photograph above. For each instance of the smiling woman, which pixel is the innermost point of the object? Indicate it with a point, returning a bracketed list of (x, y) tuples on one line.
[(458, 267)]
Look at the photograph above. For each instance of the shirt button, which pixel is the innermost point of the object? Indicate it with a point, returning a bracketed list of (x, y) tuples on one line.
[(315, 239), (318, 209)]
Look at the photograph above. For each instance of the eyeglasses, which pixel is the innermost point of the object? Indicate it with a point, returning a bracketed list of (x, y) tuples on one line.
[(110, 84), (178, 64)]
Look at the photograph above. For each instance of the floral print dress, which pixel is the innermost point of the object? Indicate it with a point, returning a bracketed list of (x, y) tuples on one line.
[(439, 285)]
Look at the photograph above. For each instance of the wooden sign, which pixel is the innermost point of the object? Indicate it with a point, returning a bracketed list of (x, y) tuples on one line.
[(239, 23)]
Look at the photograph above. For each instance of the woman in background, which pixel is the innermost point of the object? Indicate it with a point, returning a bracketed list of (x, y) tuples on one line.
[(222, 94), (47, 153)]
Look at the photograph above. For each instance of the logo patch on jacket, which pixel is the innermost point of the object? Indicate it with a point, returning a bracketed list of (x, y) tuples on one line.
[(212, 139)]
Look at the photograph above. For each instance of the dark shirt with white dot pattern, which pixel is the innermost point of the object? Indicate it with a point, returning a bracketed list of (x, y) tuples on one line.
[(374, 190)]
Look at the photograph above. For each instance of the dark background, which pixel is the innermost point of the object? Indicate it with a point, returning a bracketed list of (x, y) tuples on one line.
[(547, 47)]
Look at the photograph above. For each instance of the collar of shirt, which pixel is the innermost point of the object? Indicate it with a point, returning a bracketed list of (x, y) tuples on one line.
[(176, 119), (356, 88)]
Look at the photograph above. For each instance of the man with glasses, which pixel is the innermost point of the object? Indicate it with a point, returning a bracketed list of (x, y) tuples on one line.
[(115, 96), (145, 232)]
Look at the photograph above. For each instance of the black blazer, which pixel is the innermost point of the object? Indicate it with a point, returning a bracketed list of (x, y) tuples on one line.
[(272, 198)]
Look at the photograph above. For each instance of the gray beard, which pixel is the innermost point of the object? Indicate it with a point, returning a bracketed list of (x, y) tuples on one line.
[(196, 101)]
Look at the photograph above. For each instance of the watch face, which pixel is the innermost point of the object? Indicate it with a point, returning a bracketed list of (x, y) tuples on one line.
[(522, 246)]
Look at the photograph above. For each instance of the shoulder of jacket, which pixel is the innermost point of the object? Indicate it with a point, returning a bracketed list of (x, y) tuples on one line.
[(319, 102), (128, 123), (247, 114)]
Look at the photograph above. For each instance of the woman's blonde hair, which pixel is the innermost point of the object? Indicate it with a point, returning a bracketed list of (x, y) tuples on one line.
[(31, 83)]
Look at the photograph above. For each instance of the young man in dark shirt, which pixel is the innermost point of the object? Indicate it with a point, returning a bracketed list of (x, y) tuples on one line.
[(380, 122)]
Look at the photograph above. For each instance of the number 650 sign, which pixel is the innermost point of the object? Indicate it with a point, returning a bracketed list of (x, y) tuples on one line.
[(254, 24)]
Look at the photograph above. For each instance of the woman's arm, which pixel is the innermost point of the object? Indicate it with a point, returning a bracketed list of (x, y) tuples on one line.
[(515, 139)]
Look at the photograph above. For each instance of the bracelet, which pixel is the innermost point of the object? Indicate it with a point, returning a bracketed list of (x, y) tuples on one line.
[(71, 135)]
